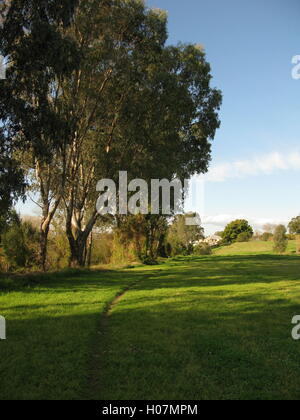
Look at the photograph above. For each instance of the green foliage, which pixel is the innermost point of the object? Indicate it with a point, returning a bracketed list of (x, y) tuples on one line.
[(102, 248), (12, 183), (202, 249), (220, 233), (92, 79), (20, 243), (124, 250), (235, 228), (294, 226), (244, 237), (266, 236), (32, 39), (58, 252), (181, 237), (291, 237), (280, 239)]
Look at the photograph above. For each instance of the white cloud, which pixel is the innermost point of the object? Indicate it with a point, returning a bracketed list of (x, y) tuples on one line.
[(263, 165)]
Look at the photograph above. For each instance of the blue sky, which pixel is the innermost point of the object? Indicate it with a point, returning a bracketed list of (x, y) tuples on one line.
[(256, 153)]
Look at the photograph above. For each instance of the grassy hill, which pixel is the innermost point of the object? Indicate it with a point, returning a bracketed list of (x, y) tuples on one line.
[(216, 327), (252, 248)]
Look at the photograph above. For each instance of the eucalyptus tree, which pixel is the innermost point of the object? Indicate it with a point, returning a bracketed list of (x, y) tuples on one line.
[(39, 56), (116, 98), (119, 40), (170, 134), (138, 106)]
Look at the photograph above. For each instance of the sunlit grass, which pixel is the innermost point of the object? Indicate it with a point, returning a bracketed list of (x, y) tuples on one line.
[(252, 247), (215, 327), (206, 328)]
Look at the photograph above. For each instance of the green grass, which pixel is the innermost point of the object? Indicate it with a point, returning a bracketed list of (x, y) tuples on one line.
[(206, 328), (253, 247), (216, 327), (52, 323)]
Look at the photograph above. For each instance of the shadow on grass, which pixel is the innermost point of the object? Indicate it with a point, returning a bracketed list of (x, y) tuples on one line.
[(191, 350), (47, 357), (226, 271), (190, 344), (76, 280)]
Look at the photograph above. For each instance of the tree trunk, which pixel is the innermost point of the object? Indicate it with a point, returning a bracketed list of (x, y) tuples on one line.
[(78, 241), (77, 258), (49, 208), (43, 247), (90, 250)]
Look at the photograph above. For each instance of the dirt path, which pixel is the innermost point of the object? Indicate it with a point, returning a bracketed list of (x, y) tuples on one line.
[(100, 345)]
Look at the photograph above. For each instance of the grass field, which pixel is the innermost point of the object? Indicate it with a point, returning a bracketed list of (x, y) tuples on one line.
[(216, 327), (51, 328), (250, 248)]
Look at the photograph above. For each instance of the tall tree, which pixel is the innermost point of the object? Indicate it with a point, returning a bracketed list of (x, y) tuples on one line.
[(157, 114), (294, 226), (119, 41), (236, 228), (132, 104), (39, 55)]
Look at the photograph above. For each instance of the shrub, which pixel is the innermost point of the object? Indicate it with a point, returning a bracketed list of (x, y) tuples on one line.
[(266, 236), (58, 249), (102, 245), (181, 236), (202, 249), (280, 239), (20, 245), (291, 237), (298, 244)]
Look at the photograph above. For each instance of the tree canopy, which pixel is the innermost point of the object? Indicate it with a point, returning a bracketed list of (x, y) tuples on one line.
[(294, 226), (236, 228), (91, 90)]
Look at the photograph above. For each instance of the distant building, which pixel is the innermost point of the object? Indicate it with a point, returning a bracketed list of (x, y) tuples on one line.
[(212, 240)]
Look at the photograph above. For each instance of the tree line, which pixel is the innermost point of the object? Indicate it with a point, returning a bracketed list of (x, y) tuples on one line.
[(241, 231)]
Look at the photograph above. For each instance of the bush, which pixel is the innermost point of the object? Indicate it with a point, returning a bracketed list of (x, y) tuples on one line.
[(298, 244), (266, 236), (20, 245), (202, 249), (291, 237), (58, 249), (123, 250), (280, 239), (102, 248)]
